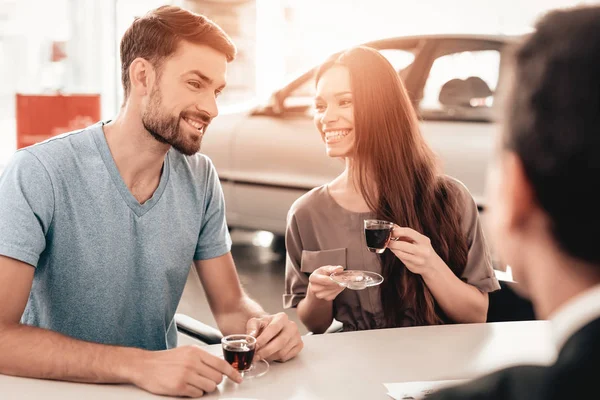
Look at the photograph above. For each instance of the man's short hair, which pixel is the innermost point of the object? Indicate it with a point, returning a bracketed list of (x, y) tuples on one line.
[(156, 35)]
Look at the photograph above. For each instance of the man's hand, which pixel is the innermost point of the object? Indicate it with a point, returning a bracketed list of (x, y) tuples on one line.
[(277, 338), (185, 371)]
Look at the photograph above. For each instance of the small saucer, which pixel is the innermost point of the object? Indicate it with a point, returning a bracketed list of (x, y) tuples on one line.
[(258, 369), (356, 280)]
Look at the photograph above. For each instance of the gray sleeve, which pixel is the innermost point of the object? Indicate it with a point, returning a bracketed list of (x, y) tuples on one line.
[(26, 208), (296, 281), (214, 239), (479, 271)]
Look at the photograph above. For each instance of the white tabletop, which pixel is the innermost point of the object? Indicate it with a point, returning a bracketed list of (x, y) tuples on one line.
[(351, 365)]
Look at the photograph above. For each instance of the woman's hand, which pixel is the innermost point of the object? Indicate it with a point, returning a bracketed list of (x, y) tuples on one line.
[(414, 250), (320, 284)]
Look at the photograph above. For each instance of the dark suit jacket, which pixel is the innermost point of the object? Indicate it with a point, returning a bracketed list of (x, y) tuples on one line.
[(574, 375)]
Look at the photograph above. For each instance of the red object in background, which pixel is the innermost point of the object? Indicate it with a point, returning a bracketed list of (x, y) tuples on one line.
[(40, 117), (58, 51)]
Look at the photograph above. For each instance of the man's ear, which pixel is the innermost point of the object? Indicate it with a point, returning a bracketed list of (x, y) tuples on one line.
[(141, 76), (520, 197)]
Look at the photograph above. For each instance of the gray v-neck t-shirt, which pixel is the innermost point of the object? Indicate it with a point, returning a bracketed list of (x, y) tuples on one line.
[(107, 268), (321, 232)]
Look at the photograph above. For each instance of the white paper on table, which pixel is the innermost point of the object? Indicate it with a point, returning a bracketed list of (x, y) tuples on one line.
[(417, 390)]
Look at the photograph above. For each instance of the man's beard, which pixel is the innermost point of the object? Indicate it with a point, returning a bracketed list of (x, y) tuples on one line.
[(166, 129)]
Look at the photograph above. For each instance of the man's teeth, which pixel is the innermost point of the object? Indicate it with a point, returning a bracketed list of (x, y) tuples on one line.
[(337, 134), (195, 124)]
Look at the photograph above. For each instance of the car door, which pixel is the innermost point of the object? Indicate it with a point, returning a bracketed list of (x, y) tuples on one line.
[(276, 158)]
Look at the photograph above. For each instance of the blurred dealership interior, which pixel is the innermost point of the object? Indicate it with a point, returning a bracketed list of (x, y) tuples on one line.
[(72, 45)]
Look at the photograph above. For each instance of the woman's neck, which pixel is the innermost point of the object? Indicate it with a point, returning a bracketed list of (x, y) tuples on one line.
[(351, 179), (346, 192)]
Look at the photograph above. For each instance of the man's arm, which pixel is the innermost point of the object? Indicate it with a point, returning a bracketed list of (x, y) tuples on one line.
[(277, 337), (230, 305), (40, 353)]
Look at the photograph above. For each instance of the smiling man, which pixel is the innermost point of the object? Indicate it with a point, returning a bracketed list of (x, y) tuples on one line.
[(99, 227)]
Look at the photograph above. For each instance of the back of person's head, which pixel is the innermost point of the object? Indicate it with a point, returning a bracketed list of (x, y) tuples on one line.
[(156, 35), (553, 124), (391, 155)]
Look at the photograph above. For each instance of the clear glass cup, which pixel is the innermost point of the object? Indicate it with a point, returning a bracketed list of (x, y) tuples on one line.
[(378, 234), (239, 350)]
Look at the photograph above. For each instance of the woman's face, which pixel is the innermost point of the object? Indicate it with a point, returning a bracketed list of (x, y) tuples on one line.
[(334, 115)]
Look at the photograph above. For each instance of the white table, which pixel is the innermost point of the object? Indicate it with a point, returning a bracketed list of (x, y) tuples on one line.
[(351, 365)]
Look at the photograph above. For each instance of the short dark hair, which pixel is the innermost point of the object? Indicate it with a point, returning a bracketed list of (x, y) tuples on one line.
[(553, 124), (156, 35)]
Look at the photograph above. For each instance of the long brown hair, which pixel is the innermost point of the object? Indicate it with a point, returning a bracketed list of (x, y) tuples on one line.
[(391, 155), (156, 35)]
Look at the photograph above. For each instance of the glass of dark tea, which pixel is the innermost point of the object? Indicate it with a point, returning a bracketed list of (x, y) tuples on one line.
[(378, 234), (238, 350)]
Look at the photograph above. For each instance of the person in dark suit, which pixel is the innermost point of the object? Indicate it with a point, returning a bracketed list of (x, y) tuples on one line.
[(544, 214)]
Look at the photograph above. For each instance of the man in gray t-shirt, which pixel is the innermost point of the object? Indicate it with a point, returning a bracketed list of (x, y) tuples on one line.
[(108, 269), (99, 227)]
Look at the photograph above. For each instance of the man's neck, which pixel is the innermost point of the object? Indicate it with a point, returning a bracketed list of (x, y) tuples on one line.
[(554, 278), (138, 156)]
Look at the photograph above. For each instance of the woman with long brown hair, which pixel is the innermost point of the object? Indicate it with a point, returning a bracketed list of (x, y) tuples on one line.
[(437, 268)]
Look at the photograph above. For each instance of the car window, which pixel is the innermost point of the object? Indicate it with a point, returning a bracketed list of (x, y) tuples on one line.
[(461, 86), (302, 98)]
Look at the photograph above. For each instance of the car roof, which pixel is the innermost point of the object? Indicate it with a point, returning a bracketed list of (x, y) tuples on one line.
[(413, 41), (408, 42)]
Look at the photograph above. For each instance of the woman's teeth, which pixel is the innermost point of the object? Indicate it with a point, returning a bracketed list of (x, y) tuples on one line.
[(336, 135)]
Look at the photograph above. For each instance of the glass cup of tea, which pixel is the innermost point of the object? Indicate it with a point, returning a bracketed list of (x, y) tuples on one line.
[(238, 350), (378, 234)]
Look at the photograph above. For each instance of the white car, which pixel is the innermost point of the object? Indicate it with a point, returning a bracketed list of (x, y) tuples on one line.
[(269, 155)]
